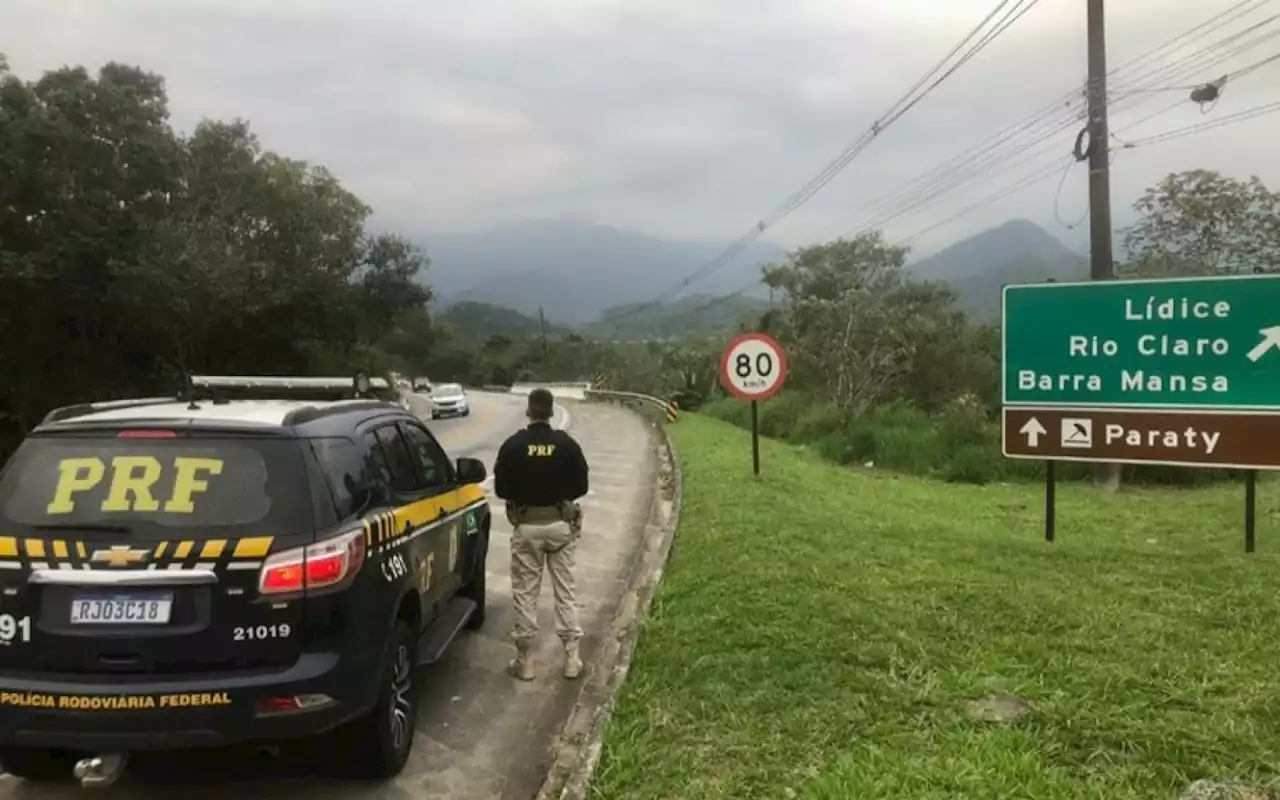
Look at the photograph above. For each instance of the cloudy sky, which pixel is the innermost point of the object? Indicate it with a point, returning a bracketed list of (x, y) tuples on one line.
[(680, 118)]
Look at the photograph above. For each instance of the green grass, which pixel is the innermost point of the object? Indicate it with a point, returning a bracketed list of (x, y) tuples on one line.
[(819, 631)]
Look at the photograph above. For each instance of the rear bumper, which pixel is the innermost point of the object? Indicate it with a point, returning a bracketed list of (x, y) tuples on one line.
[(160, 714), (449, 412)]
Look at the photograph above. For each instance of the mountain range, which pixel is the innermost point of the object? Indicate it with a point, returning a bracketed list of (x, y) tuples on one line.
[(976, 268), (574, 272)]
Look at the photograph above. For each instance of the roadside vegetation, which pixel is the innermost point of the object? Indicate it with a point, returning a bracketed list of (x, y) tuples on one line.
[(832, 633)]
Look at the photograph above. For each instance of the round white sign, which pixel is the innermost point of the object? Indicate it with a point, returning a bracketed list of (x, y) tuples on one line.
[(753, 367)]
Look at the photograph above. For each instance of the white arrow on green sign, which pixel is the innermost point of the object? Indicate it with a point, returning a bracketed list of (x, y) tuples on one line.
[(1183, 342)]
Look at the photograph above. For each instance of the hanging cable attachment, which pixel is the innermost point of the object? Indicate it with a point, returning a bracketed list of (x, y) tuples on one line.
[(1209, 92)]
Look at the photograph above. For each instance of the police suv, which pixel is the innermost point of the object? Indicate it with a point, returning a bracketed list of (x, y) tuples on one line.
[(257, 560)]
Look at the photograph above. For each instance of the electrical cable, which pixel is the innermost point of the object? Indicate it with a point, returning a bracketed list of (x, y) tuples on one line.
[(928, 181), (836, 165), (1049, 170), (968, 172)]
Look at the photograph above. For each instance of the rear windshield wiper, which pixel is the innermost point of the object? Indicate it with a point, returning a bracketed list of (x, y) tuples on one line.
[(87, 527)]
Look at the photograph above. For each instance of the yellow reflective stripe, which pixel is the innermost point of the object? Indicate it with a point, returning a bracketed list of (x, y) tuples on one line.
[(213, 548), (159, 552), (183, 549), (80, 550), (59, 549), (35, 548), (8, 547), (253, 547)]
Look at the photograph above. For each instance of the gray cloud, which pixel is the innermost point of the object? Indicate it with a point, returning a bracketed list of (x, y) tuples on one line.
[(676, 118)]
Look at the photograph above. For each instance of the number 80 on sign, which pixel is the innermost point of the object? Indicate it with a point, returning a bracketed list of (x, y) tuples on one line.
[(753, 366)]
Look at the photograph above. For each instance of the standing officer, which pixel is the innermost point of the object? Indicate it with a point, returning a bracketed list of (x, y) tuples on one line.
[(540, 472)]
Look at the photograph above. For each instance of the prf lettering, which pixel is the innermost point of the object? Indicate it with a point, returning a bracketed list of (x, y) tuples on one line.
[(541, 449), (131, 482)]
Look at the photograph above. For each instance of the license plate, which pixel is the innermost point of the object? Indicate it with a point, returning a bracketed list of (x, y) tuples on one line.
[(121, 609)]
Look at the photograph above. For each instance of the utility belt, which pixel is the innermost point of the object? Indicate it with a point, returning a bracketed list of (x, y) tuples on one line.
[(564, 511)]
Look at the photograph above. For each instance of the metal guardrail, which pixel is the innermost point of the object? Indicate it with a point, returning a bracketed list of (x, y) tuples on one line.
[(667, 407)]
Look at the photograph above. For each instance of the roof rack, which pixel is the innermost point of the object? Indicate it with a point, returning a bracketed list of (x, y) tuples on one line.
[(80, 409), (262, 387), (223, 388)]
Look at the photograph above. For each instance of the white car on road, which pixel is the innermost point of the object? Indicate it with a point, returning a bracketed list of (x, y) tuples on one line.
[(448, 400)]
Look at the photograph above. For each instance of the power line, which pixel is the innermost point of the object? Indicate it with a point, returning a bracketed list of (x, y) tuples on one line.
[(1042, 125), (824, 176), (1033, 126), (970, 169), (1218, 122), (1048, 171)]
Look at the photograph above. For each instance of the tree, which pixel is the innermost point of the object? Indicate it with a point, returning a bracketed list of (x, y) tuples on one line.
[(130, 255), (1199, 222)]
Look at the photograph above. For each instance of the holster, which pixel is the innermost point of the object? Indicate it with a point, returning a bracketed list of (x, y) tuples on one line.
[(569, 512)]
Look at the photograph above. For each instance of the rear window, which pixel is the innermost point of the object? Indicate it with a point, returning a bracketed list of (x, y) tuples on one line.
[(210, 487), (448, 388)]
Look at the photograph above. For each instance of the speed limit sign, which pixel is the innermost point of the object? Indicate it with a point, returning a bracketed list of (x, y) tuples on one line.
[(753, 366)]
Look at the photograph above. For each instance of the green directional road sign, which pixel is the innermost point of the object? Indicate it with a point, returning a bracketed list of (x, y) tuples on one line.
[(1184, 342)]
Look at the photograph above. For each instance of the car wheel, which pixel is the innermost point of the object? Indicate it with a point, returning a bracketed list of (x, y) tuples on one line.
[(376, 746), (39, 766), (474, 590)]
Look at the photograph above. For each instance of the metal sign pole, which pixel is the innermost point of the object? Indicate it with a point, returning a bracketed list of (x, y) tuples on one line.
[(755, 439)]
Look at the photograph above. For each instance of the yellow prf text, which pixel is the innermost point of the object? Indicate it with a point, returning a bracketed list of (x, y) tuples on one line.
[(131, 482), (120, 702), (541, 449)]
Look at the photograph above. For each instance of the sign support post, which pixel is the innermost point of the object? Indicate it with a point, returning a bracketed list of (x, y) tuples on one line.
[(1177, 371), (753, 368), (755, 439), (1050, 498), (1250, 508)]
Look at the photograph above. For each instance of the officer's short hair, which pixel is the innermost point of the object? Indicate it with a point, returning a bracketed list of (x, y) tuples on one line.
[(542, 405)]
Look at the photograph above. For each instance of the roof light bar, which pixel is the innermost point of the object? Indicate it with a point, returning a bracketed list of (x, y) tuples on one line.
[(291, 387), (282, 382)]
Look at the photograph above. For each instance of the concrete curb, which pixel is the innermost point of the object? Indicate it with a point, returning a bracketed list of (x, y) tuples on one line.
[(577, 750)]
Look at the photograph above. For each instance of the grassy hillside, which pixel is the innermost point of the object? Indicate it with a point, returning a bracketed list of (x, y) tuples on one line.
[(833, 633)]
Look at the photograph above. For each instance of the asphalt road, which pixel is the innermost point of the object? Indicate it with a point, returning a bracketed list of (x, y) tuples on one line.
[(481, 734)]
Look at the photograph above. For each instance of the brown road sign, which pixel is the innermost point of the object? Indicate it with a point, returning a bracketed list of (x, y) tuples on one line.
[(1190, 438)]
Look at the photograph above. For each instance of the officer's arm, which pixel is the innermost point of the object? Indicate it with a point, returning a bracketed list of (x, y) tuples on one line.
[(503, 467), (578, 469)]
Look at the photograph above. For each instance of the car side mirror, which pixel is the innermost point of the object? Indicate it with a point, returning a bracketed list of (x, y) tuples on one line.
[(471, 470)]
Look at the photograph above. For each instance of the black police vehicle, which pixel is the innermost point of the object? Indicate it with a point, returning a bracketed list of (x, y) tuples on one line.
[(256, 560)]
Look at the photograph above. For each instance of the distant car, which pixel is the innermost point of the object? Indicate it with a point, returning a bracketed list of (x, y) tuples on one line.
[(421, 385), (449, 400)]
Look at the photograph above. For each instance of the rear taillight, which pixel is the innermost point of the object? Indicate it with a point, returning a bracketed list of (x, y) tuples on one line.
[(316, 566)]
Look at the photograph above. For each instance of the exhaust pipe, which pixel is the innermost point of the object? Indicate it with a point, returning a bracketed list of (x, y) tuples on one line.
[(100, 771)]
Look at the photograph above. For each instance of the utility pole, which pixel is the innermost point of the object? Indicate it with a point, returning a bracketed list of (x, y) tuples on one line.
[(1101, 263), (542, 331)]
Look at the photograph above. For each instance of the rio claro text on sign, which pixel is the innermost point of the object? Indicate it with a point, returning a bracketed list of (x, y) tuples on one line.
[(126, 702), (1145, 344)]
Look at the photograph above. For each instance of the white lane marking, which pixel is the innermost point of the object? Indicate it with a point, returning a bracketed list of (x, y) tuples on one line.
[(565, 419)]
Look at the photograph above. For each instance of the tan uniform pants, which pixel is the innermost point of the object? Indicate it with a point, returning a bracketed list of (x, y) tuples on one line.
[(533, 547)]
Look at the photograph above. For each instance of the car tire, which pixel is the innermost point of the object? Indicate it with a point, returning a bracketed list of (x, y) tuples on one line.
[(377, 745), (38, 765), (474, 590)]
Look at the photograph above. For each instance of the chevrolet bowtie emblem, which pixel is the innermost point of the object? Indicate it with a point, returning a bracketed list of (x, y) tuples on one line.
[(119, 556)]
